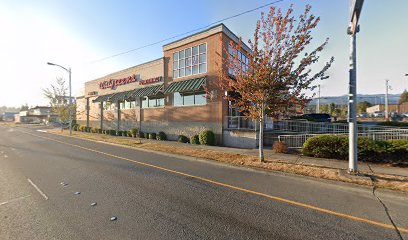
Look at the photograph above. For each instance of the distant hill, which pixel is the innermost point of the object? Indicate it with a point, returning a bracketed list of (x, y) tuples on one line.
[(371, 98)]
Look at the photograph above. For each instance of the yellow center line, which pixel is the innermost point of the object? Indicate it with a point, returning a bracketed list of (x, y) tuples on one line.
[(338, 214)]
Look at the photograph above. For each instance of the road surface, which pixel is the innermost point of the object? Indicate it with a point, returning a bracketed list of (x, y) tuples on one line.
[(48, 183)]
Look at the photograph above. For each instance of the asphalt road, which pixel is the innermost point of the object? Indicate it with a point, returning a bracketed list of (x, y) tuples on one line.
[(154, 196)]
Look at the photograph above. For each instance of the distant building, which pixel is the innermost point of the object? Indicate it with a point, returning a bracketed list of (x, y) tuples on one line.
[(381, 108), (38, 114), (8, 116), (62, 100)]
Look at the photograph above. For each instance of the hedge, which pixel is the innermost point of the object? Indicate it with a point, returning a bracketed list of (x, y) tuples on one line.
[(182, 139), (134, 132), (332, 146), (141, 134), (195, 139), (161, 136), (207, 137), (152, 135)]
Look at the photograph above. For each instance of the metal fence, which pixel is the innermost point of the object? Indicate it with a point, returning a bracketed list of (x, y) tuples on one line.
[(299, 126), (297, 141), (296, 132)]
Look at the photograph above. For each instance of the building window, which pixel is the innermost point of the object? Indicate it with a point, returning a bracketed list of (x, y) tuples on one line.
[(109, 105), (190, 61), (189, 98), (152, 102), (242, 58), (128, 104)]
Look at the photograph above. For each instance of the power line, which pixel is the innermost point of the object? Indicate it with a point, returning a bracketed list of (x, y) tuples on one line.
[(185, 33)]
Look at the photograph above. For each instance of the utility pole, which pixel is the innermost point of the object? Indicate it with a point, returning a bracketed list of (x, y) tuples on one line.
[(386, 101), (353, 29), (318, 100)]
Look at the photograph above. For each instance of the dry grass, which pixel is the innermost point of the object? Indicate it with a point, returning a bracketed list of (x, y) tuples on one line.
[(368, 179)]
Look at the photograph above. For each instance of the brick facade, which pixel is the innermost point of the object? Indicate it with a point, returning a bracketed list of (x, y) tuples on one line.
[(173, 120)]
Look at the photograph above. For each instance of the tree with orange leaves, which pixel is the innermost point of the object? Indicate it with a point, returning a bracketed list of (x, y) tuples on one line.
[(273, 79)]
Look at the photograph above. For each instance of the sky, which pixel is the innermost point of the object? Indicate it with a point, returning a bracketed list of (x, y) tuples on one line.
[(78, 34)]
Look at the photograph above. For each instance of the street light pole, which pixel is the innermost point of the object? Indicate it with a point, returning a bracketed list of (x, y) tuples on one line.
[(70, 98), (386, 100), (356, 6)]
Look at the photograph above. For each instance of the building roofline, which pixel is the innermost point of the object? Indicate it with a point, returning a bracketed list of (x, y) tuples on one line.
[(125, 69), (224, 29)]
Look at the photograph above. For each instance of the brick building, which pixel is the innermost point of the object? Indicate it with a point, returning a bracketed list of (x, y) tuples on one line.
[(166, 94)]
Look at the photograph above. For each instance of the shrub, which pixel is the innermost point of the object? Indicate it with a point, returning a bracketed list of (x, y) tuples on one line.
[(82, 128), (124, 133), (119, 133), (112, 132), (141, 134), (88, 129), (280, 147), (326, 146), (195, 139), (182, 139), (134, 132), (152, 135), (331, 146), (207, 137), (399, 144), (99, 130), (75, 127), (94, 130), (161, 136)]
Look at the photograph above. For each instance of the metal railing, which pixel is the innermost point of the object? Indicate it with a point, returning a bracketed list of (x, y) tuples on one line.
[(299, 126), (297, 141)]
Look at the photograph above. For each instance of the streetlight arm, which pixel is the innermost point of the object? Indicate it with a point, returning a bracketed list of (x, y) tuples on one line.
[(53, 64)]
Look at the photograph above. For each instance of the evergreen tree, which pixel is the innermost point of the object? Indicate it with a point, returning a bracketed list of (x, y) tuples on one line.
[(404, 97)]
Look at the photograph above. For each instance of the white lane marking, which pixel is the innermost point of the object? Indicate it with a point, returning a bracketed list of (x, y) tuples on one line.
[(38, 189), (39, 130), (14, 199)]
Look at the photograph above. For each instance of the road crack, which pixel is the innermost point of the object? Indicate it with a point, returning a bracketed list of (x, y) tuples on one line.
[(373, 180)]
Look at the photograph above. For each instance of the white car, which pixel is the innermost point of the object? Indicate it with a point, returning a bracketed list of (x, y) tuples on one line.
[(405, 114), (378, 114)]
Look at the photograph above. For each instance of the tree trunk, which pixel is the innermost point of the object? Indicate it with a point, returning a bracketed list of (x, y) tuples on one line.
[(261, 135)]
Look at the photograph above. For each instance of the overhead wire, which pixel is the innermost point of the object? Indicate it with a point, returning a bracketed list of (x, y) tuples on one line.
[(185, 33)]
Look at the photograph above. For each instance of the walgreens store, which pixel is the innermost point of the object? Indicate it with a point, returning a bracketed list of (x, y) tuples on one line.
[(166, 94)]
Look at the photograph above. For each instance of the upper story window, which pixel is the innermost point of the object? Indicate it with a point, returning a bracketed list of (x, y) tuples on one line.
[(190, 61), (242, 58)]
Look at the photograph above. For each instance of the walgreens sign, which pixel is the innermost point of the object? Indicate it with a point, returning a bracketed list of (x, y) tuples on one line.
[(112, 83)]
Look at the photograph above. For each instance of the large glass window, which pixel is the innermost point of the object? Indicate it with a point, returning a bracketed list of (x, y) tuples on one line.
[(109, 105), (177, 99), (189, 98), (190, 61), (242, 58), (128, 104), (151, 102)]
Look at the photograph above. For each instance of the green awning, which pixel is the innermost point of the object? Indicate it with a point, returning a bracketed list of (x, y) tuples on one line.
[(145, 92), (120, 96), (186, 85), (102, 98)]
